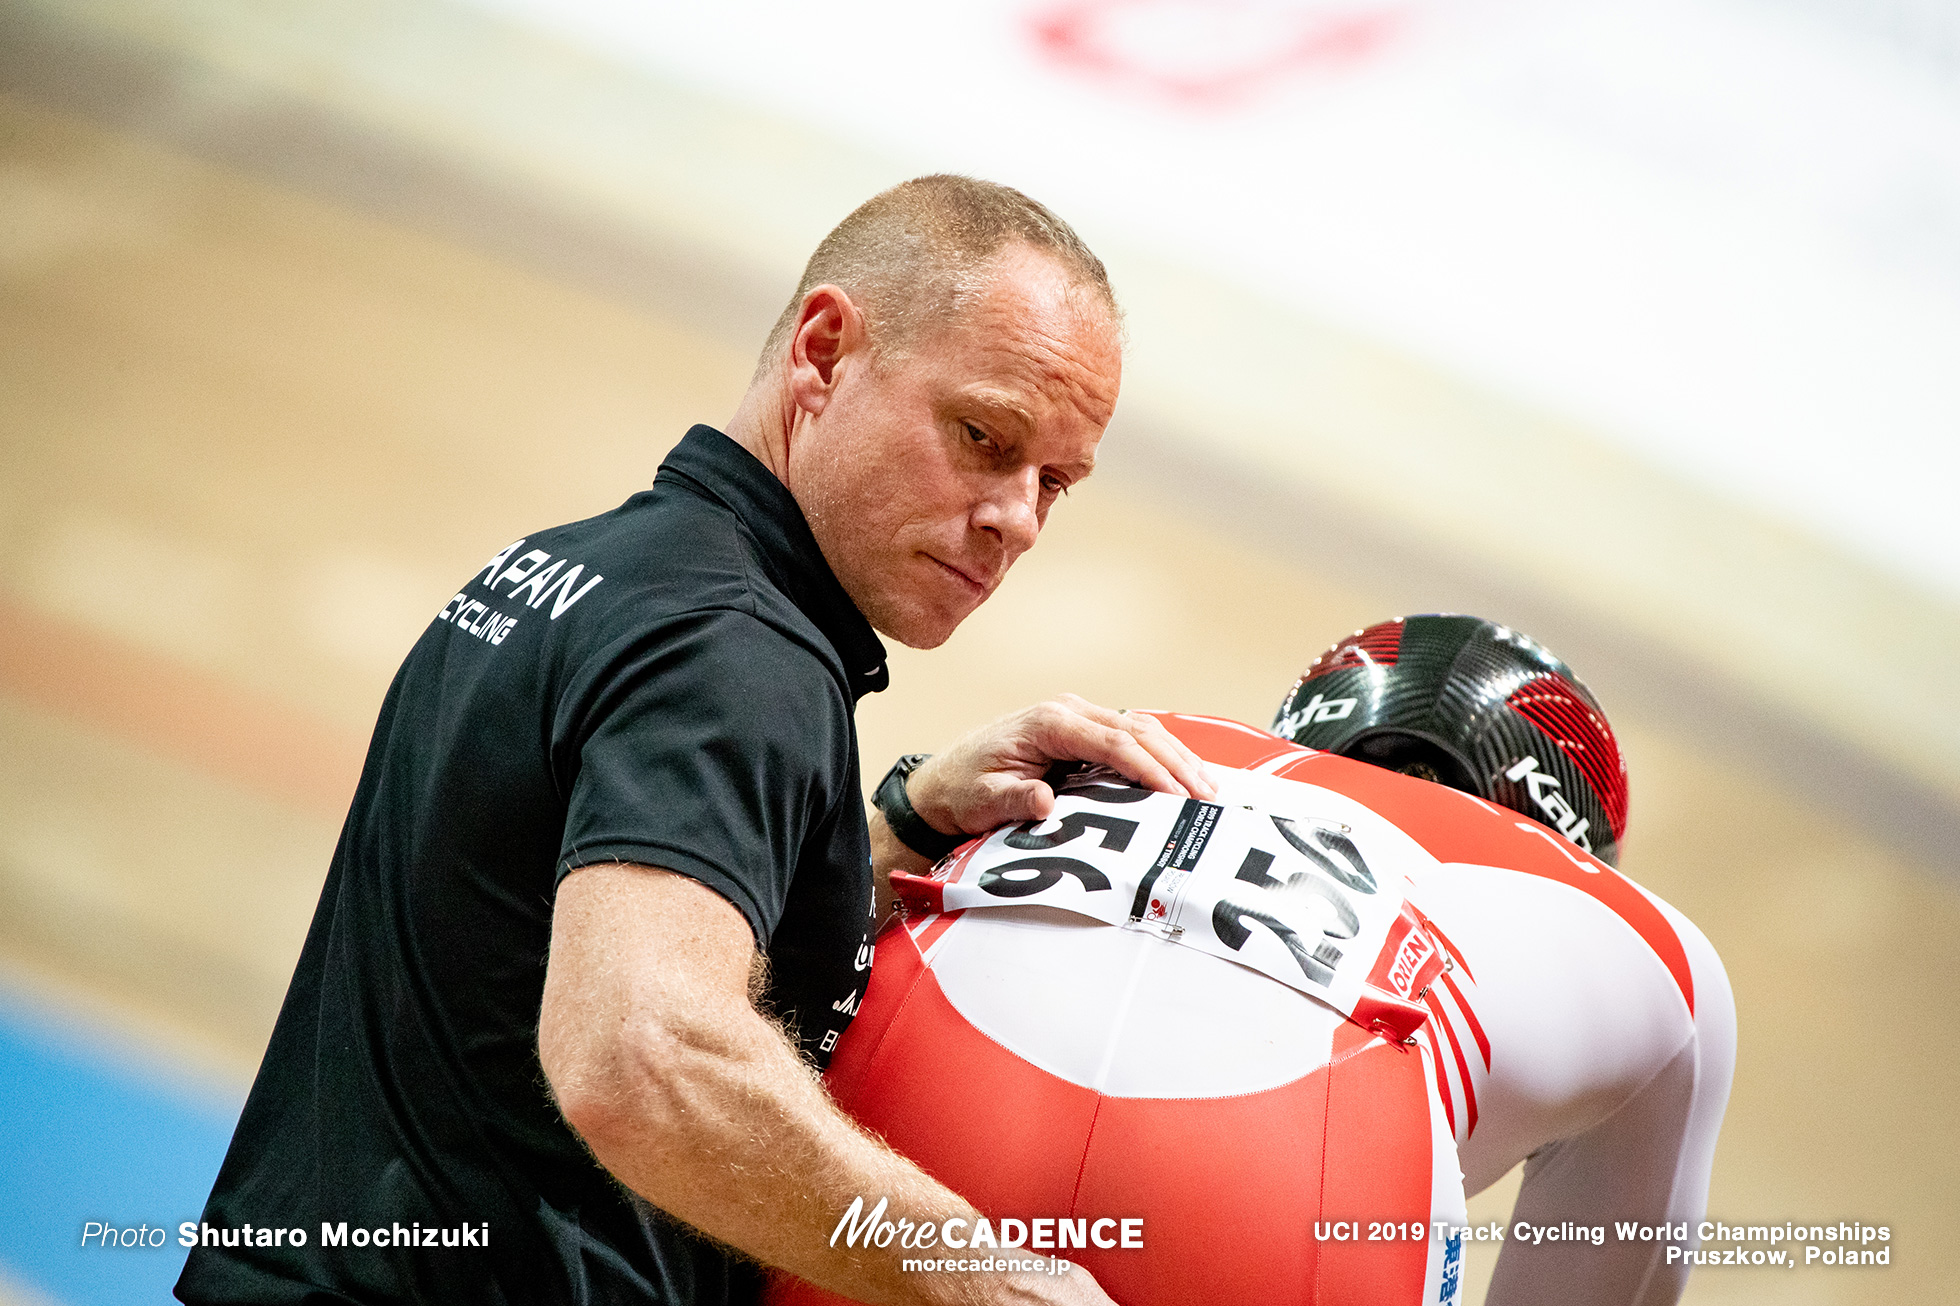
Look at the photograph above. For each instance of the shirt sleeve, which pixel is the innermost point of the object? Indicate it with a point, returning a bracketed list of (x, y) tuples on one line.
[(710, 747)]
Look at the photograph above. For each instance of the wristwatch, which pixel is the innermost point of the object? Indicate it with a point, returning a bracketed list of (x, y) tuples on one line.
[(911, 828)]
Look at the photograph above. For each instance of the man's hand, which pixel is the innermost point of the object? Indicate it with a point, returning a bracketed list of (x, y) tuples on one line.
[(1075, 1288), (993, 775)]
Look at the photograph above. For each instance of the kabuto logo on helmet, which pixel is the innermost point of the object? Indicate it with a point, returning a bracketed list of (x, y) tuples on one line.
[(1474, 705), (1317, 708), (1543, 787)]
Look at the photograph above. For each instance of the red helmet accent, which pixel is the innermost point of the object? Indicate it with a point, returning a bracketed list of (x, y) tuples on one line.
[(1557, 708), (1379, 644)]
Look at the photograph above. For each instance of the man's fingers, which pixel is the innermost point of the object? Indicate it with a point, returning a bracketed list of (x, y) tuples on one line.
[(1076, 735), (1139, 746), (1027, 800), (1172, 755), (994, 774)]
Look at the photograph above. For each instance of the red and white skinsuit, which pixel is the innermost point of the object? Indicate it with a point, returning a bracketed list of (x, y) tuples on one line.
[(1045, 1064)]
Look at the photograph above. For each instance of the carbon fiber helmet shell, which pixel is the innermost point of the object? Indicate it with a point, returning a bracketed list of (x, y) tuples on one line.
[(1474, 705)]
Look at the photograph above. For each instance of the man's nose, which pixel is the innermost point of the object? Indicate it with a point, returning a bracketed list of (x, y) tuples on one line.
[(1011, 510)]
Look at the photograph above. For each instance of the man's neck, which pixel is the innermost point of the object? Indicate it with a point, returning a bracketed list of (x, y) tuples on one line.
[(761, 425)]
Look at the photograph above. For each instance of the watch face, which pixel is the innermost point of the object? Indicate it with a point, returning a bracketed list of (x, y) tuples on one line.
[(890, 796)]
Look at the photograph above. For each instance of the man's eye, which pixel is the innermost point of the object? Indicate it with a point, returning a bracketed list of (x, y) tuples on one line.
[(977, 435), (1054, 484)]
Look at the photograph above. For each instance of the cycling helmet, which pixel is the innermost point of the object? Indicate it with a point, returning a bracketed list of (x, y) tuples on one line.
[(1473, 705)]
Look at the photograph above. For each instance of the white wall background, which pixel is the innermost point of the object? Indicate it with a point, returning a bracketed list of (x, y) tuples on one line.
[(1722, 234)]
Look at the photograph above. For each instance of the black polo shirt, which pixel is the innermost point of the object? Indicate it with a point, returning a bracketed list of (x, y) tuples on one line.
[(672, 684)]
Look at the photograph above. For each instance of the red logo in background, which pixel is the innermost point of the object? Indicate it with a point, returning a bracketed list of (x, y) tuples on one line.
[(1157, 908), (1216, 51)]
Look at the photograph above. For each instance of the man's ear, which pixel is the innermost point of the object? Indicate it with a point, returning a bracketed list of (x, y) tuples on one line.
[(829, 328)]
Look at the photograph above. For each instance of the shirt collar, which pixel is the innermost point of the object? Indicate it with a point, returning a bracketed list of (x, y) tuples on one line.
[(730, 474)]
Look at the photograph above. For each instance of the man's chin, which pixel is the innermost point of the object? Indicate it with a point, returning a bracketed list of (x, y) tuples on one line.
[(918, 627), (919, 635)]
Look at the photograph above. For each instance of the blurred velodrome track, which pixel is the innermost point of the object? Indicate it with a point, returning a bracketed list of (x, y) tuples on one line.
[(306, 309)]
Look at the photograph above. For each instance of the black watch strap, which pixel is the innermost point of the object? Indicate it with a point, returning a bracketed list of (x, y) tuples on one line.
[(911, 828)]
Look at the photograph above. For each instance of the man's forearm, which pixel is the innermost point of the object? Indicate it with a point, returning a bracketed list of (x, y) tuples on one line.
[(702, 1106), (725, 1127)]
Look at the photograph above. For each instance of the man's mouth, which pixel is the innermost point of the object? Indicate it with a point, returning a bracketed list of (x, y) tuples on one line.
[(978, 587)]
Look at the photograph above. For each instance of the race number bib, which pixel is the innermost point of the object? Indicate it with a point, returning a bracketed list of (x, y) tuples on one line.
[(1285, 892)]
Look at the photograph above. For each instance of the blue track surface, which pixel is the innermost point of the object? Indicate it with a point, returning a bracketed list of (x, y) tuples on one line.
[(88, 1134)]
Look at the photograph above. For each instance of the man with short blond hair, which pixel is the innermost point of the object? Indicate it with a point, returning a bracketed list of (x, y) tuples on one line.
[(603, 902), (915, 255)]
